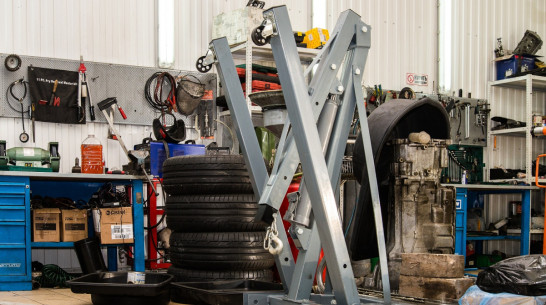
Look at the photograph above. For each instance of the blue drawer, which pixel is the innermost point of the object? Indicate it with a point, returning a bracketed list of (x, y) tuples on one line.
[(12, 213), (12, 233), (7, 199), (12, 193), (12, 262)]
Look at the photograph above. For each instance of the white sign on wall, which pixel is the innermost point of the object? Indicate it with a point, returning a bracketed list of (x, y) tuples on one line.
[(416, 79)]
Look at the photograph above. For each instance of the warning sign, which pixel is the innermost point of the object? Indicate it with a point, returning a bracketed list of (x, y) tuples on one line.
[(417, 79)]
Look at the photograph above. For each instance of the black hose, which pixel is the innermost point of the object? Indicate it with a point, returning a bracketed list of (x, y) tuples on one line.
[(155, 99), (19, 99), (53, 276)]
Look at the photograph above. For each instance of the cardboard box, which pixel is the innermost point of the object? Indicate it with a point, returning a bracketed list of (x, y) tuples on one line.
[(73, 225), (116, 225), (46, 225)]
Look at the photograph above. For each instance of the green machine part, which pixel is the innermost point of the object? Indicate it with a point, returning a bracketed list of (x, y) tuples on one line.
[(267, 142), (465, 157), (30, 158)]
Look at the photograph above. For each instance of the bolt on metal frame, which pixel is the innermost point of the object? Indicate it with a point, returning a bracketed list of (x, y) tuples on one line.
[(331, 102)]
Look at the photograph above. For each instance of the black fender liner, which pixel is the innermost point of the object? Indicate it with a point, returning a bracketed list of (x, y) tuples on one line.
[(393, 119)]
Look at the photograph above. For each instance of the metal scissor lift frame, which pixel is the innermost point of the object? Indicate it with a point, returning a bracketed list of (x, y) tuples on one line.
[(315, 134)]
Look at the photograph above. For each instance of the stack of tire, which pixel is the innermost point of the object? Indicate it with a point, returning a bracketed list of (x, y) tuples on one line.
[(211, 209)]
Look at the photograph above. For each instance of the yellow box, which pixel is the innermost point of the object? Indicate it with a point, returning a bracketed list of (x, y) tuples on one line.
[(316, 38)]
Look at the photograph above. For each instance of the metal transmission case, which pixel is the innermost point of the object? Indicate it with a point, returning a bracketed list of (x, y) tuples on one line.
[(423, 210)]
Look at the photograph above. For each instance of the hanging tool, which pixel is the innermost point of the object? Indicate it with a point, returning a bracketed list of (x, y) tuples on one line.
[(12, 63), (136, 156), (33, 107), (85, 92), (23, 137), (52, 98), (81, 72)]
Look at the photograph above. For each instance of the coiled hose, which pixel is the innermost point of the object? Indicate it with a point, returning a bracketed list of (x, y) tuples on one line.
[(53, 276)]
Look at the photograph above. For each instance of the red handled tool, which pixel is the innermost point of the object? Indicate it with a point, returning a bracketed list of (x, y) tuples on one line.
[(122, 112), (52, 98)]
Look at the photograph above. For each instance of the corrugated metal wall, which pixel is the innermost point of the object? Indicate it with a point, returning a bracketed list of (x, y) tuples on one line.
[(194, 19), (476, 26), (404, 40), (120, 32)]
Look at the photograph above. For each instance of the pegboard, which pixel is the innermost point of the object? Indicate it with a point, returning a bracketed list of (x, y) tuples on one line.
[(126, 83)]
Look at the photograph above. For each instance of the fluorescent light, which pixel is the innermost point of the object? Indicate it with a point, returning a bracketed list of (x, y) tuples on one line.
[(165, 33), (444, 46)]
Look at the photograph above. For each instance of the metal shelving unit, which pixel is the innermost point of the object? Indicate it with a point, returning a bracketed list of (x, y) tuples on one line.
[(530, 84), (252, 53)]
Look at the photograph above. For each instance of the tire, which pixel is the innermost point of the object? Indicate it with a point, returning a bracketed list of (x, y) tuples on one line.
[(207, 174), (213, 213), (220, 251), (189, 275)]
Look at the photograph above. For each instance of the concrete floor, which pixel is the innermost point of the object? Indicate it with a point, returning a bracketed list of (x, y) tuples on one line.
[(46, 296)]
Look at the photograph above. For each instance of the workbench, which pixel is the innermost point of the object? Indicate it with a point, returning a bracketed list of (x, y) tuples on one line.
[(466, 191), (16, 228)]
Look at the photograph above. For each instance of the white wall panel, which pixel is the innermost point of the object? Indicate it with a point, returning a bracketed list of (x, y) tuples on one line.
[(404, 39), (476, 27), (120, 32), (194, 18)]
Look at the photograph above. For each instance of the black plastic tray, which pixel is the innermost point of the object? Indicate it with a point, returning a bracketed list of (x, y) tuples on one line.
[(220, 292), (112, 288)]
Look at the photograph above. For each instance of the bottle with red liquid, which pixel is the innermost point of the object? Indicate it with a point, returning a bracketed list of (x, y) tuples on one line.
[(92, 162)]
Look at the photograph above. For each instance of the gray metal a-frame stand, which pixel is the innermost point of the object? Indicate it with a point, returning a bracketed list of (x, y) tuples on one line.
[(316, 134)]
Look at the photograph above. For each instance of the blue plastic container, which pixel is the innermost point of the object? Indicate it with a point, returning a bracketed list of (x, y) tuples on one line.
[(509, 67), (158, 156)]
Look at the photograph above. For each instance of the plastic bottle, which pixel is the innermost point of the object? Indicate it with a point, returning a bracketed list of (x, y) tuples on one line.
[(92, 156)]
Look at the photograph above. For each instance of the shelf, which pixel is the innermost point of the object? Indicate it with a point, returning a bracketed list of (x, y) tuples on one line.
[(493, 237), (254, 109), (520, 82), (518, 231), (52, 245), (48, 176), (67, 245), (264, 53), (540, 180), (519, 132)]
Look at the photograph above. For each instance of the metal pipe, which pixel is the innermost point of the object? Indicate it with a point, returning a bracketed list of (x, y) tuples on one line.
[(467, 121), (325, 127)]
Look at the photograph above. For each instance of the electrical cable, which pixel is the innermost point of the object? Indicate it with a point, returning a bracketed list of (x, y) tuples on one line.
[(155, 99)]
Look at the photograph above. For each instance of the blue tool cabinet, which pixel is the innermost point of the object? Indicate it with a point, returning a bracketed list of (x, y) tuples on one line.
[(15, 222), (15, 255)]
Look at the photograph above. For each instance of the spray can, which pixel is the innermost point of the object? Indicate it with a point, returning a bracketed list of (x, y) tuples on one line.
[(464, 177)]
